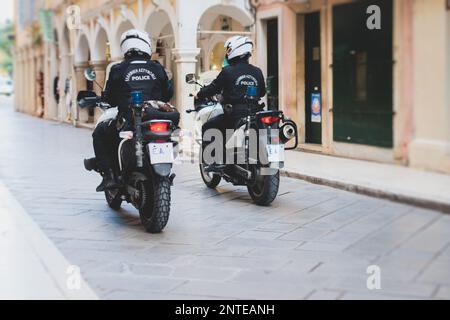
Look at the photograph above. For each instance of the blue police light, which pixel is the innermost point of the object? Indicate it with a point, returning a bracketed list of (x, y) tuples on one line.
[(252, 92), (136, 97)]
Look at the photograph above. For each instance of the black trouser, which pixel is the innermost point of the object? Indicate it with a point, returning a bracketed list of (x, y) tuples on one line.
[(106, 143), (222, 123)]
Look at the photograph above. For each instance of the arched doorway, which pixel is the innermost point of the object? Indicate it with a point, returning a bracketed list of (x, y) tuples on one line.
[(161, 32), (100, 49), (215, 53), (217, 24), (64, 73), (82, 61), (99, 62), (82, 50), (52, 74), (116, 51)]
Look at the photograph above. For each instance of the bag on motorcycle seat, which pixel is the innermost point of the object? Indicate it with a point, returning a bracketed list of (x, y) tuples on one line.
[(152, 113)]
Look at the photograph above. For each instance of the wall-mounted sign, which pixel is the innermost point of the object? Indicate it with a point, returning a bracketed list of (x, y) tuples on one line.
[(316, 107)]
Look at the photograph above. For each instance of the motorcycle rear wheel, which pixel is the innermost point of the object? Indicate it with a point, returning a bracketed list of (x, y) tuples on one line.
[(264, 189), (156, 209), (114, 199)]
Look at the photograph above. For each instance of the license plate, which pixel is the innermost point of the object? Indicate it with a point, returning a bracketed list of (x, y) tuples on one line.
[(161, 153), (275, 153)]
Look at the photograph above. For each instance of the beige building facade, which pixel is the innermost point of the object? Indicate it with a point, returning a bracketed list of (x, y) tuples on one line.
[(188, 36), (385, 93), (380, 94)]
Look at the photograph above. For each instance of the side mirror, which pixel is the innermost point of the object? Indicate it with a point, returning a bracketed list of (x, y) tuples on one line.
[(90, 74), (87, 99), (191, 78)]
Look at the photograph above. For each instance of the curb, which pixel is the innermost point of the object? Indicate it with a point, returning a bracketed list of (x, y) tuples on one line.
[(372, 192), (53, 266)]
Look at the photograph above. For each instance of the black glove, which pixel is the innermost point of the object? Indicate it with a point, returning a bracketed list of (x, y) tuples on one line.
[(228, 109)]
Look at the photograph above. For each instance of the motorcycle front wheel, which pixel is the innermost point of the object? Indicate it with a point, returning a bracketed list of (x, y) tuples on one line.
[(210, 180), (155, 211), (114, 199), (264, 189)]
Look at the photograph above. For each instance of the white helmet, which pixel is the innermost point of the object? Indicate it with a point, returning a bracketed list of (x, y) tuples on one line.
[(238, 46), (135, 40)]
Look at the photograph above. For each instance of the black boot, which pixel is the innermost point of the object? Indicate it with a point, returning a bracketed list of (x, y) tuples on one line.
[(91, 164), (109, 182)]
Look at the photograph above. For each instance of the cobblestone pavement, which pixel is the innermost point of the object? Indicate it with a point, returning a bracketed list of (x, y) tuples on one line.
[(314, 242)]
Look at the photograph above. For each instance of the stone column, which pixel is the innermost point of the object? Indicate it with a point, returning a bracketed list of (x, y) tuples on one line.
[(33, 91), (65, 73), (40, 84), (26, 84), (50, 73), (37, 98), (100, 70), (186, 60), (17, 80), (80, 84)]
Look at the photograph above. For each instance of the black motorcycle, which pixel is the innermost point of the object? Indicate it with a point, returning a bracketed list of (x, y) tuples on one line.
[(145, 159), (260, 172)]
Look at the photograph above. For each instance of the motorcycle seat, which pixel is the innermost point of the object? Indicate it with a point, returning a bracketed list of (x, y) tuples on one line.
[(152, 113)]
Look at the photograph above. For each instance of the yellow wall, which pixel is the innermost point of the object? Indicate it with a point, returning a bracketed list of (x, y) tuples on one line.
[(421, 79), (431, 144)]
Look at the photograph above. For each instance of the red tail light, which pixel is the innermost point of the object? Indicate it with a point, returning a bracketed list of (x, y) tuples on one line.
[(270, 120), (159, 127)]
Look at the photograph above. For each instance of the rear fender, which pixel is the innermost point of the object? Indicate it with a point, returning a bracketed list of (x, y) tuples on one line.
[(163, 170)]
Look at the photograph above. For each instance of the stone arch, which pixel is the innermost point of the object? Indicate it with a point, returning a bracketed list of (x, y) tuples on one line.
[(123, 26), (65, 65), (157, 22), (82, 49), (203, 15), (64, 42), (215, 40), (213, 19), (161, 31), (211, 13), (156, 19), (100, 45)]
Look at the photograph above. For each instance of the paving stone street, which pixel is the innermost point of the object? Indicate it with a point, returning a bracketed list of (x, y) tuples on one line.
[(314, 242)]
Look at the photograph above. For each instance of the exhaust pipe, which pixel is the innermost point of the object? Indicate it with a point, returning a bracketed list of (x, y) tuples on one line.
[(288, 132), (247, 175)]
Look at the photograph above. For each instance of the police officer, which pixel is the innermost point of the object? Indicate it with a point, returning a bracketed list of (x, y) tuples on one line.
[(232, 83), (136, 73)]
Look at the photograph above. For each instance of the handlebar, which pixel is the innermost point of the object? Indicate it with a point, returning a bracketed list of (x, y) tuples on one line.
[(92, 99)]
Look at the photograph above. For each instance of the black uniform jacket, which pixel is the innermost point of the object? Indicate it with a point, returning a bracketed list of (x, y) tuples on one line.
[(233, 82), (136, 74)]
